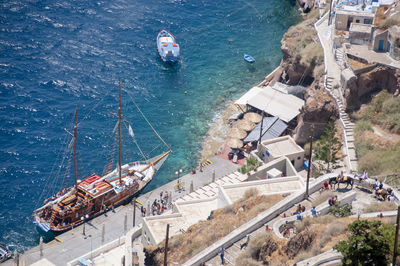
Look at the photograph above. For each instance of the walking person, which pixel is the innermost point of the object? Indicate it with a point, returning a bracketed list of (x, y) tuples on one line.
[(222, 254), (244, 245)]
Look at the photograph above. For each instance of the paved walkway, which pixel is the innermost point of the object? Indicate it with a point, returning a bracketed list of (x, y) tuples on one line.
[(73, 244), (333, 64)]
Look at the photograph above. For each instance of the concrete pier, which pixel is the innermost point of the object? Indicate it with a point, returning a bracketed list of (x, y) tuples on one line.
[(73, 244)]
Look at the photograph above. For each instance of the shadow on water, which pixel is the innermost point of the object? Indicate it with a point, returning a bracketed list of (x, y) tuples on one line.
[(251, 68)]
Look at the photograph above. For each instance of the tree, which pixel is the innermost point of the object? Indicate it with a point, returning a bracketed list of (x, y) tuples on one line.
[(368, 243), (328, 145)]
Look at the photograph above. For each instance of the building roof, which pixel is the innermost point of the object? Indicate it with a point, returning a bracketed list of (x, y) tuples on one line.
[(282, 146), (273, 127), (362, 28), (358, 13), (245, 98), (276, 103)]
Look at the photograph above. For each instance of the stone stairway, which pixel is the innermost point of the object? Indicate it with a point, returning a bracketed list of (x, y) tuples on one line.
[(340, 57), (211, 189), (348, 127)]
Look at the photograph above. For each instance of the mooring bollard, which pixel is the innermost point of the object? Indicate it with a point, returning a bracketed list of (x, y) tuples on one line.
[(191, 186), (41, 246)]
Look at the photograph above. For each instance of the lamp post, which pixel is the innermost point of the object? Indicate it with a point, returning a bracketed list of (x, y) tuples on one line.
[(83, 219)]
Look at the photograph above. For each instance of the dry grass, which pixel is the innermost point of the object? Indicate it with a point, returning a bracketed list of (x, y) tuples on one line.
[(380, 207), (376, 154), (326, 231), (355, 64), (302, 42), (204, 233)]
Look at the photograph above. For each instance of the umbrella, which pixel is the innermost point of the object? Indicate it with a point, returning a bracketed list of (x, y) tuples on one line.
[(234, 143), (245, 125), (253, 117), (237, 133)]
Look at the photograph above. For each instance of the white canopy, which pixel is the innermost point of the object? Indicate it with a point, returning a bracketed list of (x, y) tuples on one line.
[(245, 98), (273, 102)]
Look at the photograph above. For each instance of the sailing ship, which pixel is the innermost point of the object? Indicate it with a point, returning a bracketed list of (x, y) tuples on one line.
[(96, 194)]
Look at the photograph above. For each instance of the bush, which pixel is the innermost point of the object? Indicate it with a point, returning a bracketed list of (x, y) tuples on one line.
[(368, 244), (251, 192), (340, 211), (251, 163)]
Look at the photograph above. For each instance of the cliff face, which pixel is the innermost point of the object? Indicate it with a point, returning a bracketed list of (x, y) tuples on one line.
[(301, 52), (306, 5), (359, 87), (318, 109)]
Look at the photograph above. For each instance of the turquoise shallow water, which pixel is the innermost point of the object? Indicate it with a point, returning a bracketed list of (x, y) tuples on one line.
[(55, 55)]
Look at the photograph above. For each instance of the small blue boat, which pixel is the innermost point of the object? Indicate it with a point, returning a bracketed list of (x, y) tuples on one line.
[(249, 58), (167, 47)]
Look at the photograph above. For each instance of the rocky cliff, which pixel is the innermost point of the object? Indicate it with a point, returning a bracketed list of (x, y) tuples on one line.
[(306, 5), (302, 64), (301, 52), (359, 87), (319, 107)]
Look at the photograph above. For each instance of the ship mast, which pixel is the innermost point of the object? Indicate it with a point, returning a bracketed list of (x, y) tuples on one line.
[(119, 134), (75, 135)]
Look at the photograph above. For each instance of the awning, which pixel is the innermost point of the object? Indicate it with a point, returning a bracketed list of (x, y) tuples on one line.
[(273, 127), (276, 103), (252, 92)]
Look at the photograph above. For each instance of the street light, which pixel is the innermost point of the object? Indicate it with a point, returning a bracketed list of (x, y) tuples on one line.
[(83, 219)]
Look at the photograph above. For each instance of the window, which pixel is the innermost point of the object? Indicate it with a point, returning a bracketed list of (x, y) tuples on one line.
[(357, 21), (367, 21)]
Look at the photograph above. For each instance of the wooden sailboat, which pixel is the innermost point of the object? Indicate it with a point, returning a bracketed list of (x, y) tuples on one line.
[(95, 194)]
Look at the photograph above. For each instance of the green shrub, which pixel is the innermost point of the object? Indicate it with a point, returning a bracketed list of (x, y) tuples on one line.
[(251, 163), (340, 211)]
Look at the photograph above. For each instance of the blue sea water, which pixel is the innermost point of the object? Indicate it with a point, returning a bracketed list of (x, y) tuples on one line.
[(55, 55)]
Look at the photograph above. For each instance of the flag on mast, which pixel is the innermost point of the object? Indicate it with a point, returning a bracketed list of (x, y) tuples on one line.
[(131, 131)]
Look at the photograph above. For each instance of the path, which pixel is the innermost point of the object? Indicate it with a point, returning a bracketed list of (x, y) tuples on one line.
[(388, 136), (333, 62)]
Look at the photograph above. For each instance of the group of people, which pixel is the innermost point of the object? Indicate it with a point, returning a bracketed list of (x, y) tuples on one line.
[(381, 192), (332, 201), (159, 205)]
